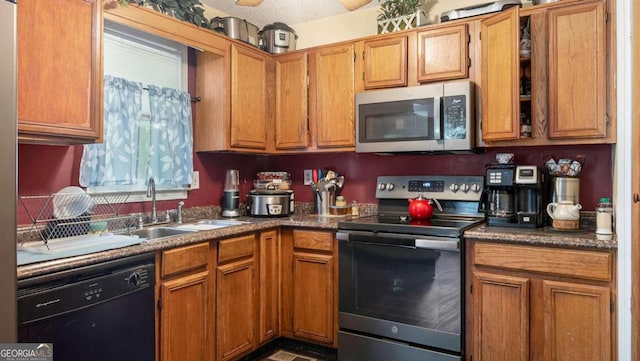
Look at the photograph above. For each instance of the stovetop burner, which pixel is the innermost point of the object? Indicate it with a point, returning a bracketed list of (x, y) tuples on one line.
[(458, 195)]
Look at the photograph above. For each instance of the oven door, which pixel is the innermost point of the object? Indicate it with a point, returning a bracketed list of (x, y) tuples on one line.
[(402, 287)]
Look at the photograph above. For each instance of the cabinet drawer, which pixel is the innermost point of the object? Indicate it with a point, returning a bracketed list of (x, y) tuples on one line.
[(593, 265), (234, 248), (184, 259), (321, 241)]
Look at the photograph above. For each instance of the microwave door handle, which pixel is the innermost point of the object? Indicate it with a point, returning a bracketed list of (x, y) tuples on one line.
[(437, 118)]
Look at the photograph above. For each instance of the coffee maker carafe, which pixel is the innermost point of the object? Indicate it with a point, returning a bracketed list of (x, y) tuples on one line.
[(231, 194), (498, 199)]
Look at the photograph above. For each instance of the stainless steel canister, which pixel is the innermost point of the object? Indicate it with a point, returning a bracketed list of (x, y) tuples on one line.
[(324, 201), (565, 189)]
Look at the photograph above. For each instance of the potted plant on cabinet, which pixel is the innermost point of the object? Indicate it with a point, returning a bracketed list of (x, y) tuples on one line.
[(396, 15), (185, 10)]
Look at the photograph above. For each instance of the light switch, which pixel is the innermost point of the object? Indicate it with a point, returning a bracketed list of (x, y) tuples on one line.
[(308, 177)]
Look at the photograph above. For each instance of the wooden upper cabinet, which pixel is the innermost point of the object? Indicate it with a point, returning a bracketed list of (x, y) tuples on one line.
[(249, 70), (500, 69), (332, 84), (443, 53), (577, 71), (292, 111), (385, 62), (60, 71)]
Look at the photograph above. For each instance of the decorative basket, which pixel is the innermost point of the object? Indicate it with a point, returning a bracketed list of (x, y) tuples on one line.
[(402, 22)]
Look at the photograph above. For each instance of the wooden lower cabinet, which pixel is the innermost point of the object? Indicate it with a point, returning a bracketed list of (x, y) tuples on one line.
[(221, 300), (236, 307), (501, 317), (269, 286), (185, 304), (309, 286), (538, 303)]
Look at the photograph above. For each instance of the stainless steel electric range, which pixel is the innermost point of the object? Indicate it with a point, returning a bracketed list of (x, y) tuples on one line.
[(401, 280)]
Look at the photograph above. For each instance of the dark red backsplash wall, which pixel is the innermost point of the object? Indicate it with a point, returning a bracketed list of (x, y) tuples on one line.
[(361, 170), (46, 169)]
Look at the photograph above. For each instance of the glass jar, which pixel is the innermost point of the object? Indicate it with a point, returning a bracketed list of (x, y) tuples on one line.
[(355, 209), (604, 217)]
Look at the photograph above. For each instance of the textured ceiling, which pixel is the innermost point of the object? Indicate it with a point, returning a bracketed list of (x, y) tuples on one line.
[(285, 11)]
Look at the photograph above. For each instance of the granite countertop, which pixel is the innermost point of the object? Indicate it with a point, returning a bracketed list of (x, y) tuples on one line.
[(583, 238), (256, 224)]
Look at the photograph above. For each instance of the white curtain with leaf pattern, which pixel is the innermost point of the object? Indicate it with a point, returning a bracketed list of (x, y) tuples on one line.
[(115, 160), (167, 138), (171, 142)]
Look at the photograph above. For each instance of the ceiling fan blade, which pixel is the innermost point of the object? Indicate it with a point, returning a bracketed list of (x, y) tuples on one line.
[(248, 2), (354, 4)]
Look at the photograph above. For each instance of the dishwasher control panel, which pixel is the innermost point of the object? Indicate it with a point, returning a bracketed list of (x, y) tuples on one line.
[(76, 291)]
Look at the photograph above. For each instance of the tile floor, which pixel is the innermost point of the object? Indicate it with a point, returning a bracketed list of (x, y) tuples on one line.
[(289, 350)]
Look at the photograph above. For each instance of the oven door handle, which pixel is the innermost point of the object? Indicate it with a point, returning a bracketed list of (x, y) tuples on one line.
[(437, 244)]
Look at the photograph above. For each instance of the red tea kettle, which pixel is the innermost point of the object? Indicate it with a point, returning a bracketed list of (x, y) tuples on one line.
[(422, 208)]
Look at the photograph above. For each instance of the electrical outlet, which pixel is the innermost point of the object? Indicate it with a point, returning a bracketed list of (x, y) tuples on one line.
[(195, 180), (308, 177)]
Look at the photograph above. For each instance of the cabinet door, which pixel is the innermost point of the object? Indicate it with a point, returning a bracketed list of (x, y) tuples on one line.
[(577, 321), (577, 71), (248, 98), (333, 83), (184, 318), (501, 317), (269, 287), (60, 71), (385, 62), (443, 53), (235, 309), (313, 296), (292, 126), (500, 76)]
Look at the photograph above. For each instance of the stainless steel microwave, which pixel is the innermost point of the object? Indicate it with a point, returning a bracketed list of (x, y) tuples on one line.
[(425, 118)]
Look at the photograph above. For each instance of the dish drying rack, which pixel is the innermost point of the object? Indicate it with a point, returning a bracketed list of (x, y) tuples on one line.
[(101, 214)]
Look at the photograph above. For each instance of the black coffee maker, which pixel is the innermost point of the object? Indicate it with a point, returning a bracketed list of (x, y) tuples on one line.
[(513, 196)]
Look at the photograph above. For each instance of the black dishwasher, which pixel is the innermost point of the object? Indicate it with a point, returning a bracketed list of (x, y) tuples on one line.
[(101, 312)]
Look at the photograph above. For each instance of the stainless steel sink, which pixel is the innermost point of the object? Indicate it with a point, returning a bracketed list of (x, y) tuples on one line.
[(208, 224), (222, 222), (159, 232)]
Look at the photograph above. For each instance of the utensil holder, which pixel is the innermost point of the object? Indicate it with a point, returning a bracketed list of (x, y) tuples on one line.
[(324, 201)]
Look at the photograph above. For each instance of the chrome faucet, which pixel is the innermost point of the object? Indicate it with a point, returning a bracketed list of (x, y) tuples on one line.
[(151, 192), (180, 204)]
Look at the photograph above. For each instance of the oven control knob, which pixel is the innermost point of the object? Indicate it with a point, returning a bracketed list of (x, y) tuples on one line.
[(453, 187), (382, 186), (464, 187), (390, 187), (475, 187)]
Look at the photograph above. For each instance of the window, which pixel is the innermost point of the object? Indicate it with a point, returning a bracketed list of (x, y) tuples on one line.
[(156, 64)]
